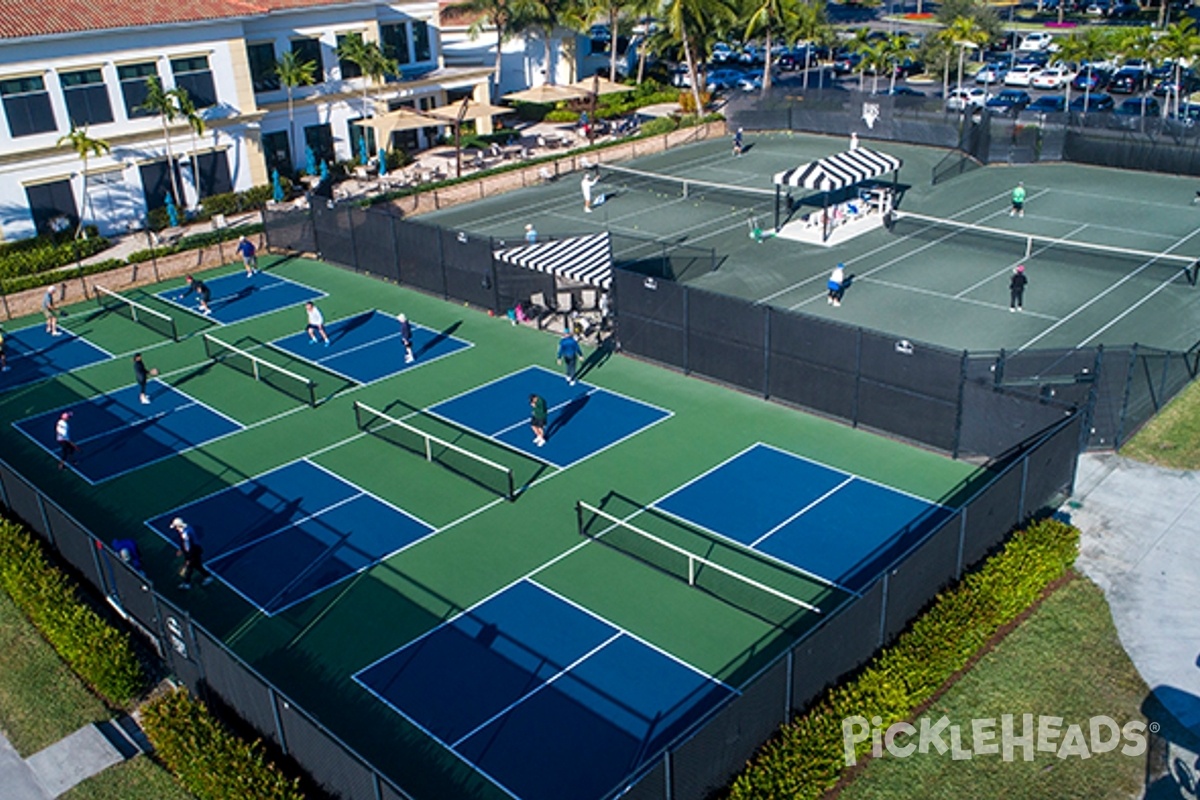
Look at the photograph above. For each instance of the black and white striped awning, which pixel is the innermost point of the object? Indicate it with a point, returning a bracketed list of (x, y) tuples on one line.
[(587, 259), (840, 170)]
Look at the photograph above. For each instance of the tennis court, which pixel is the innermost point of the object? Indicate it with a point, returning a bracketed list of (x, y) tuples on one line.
[(925, 280), (33, 355), (237, 297)]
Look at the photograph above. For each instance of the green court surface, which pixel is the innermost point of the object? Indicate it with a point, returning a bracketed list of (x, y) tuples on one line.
[(950, 290), (481, 543)]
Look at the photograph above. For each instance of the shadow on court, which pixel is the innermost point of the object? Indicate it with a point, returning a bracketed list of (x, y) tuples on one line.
[(437, 339), (597, 358)]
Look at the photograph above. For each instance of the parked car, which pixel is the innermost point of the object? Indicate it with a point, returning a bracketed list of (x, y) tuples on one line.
[(1038, 40), (963, 98), (750, 83), (1098, 8), (1052, 78), (1188, 83), (1137, 113), (1021, 75), (1128, 80), (1185, 123), (992, 73), (1092, 103), (1091, 79), (846, 63), (903, 91), (718, 79), (1009, 101), (721, 53), (1124, 11), (1047, 104), (907, 67)]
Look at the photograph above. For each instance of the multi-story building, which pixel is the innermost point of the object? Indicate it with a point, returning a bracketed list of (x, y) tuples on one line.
[(85, 64)]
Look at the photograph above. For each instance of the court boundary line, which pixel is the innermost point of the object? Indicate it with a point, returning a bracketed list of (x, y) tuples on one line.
[(849, 480), (190, 448), (34, 355), (194, 312)]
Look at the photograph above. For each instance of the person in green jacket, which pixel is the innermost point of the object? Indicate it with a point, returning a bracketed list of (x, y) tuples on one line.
[(1018, 201)]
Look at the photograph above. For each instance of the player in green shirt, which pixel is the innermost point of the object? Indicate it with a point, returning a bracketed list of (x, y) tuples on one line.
[(1018, 201)]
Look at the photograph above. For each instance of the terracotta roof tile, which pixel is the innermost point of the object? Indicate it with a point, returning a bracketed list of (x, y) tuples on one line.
[(20, 18)]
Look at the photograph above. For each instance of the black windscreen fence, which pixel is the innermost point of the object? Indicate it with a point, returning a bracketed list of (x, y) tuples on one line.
[(335, 237), (374, 251), (290, 229)]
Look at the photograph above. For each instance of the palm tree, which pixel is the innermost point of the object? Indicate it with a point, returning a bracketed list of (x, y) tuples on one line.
[(84, 147), (770, 16), (371, 61), (294, 73), (812, 25), (862, 44), (691, 23), (187, 109), (161, 102), (1141, 43), (1180, 43), (498, 15), (543, 16), (965, 33), (895, 50)]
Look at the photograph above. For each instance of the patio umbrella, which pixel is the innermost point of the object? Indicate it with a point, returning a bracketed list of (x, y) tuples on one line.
[(324, 172), (594, 87), (362, 149), (382, 154), (172, 211), (467, 109), (547, 93), (402, 119), (310, 161), (276, 187)]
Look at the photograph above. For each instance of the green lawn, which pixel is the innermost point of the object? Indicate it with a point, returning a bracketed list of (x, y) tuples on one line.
[(1172, 437), (1063, 661), (41, 701)]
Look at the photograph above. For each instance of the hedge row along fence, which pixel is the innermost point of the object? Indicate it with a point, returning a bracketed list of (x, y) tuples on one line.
[(807, 757), (101, 655), (209, 761)]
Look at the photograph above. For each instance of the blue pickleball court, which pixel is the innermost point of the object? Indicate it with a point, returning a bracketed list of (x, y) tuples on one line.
[(545, 698), (367, 347), (236, 297), (283, 536), (832, 524), (582, 420), (117, 434), (34, 355)]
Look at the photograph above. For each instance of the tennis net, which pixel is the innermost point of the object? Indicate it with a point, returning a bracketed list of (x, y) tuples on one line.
[(755, 597), (745, 198), (154, 320), (1036, 247), (472, 466), (277, 377)]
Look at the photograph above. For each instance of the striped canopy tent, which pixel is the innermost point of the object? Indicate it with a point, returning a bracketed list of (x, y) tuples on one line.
[(838, 171), (586, 259)]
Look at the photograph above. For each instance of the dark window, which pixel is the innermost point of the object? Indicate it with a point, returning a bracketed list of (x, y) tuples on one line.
[(86, 96), (133, 87), (421, 41), (214, 173), (309, 50), (349, 68), (193, 75), (278, 152), (262, 67), (27, 106), (361, 137), (320, 139), (395, 42), (157, 183), (49, 202)]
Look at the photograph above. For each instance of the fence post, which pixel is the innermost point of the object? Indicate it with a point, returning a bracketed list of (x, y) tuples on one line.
[(962, 540), (858, 336), (283, 745), (766, 387), (441, 240), (687, 334), (883, 604), (1119, 436), (350, 229), (958, 418)]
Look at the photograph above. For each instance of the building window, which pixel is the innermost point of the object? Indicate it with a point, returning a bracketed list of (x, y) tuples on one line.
[(348, 68), (395, 42), (319, 139), (309, 50), (278, 151), (193, 75), (421, 41), (262, 66), (133, 87), (86, 96), (27, 106)]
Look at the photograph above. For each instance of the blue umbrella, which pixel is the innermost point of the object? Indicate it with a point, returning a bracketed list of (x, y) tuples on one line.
[(172, 212), (362, 149), (382, 155), (276, 187), (324, 172), (310, 161)]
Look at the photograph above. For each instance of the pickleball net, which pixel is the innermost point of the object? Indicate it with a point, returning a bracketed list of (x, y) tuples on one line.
[(1024, 247), (157, 321), (263, 371), (754, 596), (458, 459), (615, 179)]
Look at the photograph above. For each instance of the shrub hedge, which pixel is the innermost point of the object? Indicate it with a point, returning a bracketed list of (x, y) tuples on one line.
[(100, 654), (195, 242), (805, 758), (31, 256), (211, 762)]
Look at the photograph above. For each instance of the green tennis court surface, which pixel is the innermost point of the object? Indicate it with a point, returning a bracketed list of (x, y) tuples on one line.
[(469, 644), (946, 287)]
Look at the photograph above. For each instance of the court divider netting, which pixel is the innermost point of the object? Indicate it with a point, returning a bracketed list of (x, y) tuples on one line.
[(156, 321), (263, 371), (768, 603), (434, 449)]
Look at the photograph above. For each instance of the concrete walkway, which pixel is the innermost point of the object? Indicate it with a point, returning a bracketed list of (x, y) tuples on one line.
[(1141, 545), (56, 769)]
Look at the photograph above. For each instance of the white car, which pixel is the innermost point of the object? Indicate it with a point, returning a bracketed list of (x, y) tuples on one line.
[(963, 98), (1038, 40), (1052, 78), (991, 73), (1022, 75)]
